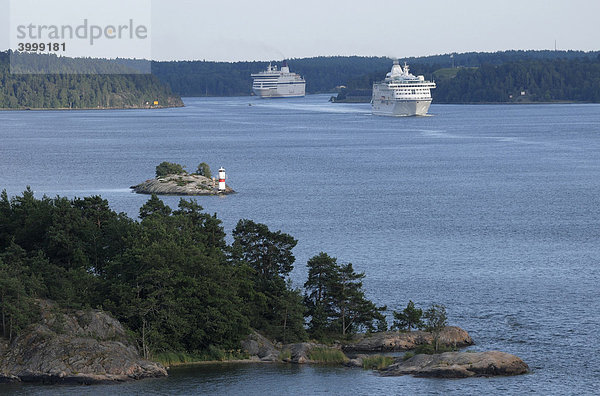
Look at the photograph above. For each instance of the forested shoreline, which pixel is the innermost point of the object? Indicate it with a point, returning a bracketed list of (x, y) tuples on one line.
[(524, 81), (508, 76), (326, 74), (82, 91), (170, 277)]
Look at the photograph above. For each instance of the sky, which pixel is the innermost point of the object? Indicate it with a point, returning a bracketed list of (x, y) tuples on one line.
[(236, 30)]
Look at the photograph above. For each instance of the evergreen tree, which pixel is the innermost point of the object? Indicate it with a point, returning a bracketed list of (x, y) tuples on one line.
[(322, 271), (407, 319), (267, 257), (335, 299), (436, 320), (168, 168), (204, 170)]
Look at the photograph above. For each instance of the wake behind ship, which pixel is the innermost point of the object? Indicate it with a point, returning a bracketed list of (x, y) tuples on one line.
[(274, 83), (401, 93)]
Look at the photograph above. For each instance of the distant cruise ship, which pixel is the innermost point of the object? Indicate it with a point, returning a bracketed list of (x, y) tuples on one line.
[(401, 93), (274, 83)]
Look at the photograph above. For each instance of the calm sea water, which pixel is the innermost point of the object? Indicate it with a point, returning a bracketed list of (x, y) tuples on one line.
[(491, 210)]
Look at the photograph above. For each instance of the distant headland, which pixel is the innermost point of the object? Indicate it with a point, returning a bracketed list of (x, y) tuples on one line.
[(94, 91), (473, 77)]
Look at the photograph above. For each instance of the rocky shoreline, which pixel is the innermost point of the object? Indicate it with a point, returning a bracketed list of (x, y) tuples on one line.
[(90, 347), (80, 347), (261, 349), (459, 365), (444, 365), (184, 184), (393, 341)]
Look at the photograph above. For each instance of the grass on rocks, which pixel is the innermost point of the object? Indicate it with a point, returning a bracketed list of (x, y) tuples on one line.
[(377, 362), (327, 355), (213, 354)]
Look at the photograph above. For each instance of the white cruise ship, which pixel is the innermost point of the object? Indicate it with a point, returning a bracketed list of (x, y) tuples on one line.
[(274, 83), (401, 93)]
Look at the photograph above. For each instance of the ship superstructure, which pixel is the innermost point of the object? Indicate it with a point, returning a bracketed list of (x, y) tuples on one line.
[(401, 93), (278, 83)]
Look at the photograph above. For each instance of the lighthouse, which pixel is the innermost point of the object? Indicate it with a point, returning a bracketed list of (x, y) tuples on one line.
[(222, 179)]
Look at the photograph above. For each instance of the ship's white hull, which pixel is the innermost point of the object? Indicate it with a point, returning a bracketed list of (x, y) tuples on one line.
[(281, 91), (400, 108)]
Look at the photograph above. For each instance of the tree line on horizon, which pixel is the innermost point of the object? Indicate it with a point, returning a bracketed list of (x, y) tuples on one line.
[(80, 91), (324, 74), (461, 78), (531, 80)]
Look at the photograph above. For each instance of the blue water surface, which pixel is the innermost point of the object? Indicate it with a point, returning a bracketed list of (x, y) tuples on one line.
[(492, 210)]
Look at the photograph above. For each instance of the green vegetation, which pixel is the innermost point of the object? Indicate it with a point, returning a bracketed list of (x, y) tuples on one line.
[(204, 170), (514, 81), (327, 355), (201, 78), (324, 74), (18, 285), (169, 168), (524, 81), (212, 354), (408, 355), (181, 291), (265, 260), (79, 91), (377, 362), (446, 73), (436, 320), (285, 355), (407, 319), (469, 77), (170, 278), (336, 303)]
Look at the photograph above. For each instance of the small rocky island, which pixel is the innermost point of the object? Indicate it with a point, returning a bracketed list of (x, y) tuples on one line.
[(172, 179), (459, 365), (441, 365)]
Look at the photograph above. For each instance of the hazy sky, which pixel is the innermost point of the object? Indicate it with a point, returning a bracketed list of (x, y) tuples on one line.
[(262, 30)]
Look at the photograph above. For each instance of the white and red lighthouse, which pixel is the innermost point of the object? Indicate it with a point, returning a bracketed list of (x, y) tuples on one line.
[(222, 176)]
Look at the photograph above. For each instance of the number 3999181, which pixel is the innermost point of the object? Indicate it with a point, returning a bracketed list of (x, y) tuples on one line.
[(42, 47)]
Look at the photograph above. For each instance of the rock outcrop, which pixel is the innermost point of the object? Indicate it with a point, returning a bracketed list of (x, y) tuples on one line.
[(394, 341), (459, 365), (300, 353), (80, 347), (260, 348), (184, 184), (357, 361)]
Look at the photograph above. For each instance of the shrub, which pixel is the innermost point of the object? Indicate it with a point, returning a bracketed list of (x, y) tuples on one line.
[(204, 170), (168, 168), (409, 318)]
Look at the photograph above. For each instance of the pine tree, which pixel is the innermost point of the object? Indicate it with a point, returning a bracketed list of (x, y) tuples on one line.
[(409, 318), (336, 301), (436, 320)]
